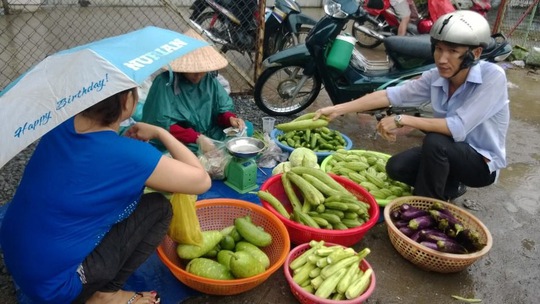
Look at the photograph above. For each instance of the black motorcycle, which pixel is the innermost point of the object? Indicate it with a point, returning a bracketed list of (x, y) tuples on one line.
[(293, 78), (234, 24)]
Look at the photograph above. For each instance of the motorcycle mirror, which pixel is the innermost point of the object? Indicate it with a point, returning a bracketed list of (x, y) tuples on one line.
[(375, 4)]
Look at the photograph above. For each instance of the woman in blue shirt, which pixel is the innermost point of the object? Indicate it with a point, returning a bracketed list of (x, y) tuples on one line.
[(79, 224), (465, 141)]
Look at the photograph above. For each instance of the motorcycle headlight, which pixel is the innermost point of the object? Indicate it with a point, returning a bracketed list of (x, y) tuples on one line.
[(333, 8)]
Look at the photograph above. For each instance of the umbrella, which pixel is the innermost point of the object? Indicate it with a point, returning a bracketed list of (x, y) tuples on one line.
[(70, 81)]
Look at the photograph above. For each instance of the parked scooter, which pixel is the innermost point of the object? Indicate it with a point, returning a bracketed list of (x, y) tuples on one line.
[(233, 24), (371, 32), (292, 78), (385, 22)]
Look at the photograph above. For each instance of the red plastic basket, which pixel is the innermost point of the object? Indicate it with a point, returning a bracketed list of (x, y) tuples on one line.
[(300, 233), (307, 298)]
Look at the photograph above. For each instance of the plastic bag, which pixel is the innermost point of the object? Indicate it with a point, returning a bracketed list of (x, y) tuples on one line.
[(215, 161), (273, 155), (185, 227)]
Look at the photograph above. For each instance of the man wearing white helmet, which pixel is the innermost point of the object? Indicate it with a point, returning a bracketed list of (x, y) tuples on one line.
[(465, 142)]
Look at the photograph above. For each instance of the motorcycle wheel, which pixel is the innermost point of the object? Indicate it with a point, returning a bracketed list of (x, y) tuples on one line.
[(274, 89), (216, 27), (287, 41), (364, 40)]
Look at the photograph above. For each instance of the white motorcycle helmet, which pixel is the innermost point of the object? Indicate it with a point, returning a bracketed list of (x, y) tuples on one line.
[(462, 27)]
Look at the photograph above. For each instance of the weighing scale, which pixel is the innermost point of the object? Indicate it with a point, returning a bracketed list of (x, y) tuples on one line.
[(241, 171)]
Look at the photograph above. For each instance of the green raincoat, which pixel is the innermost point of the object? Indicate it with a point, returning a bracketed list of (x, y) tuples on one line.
[(191, 105)]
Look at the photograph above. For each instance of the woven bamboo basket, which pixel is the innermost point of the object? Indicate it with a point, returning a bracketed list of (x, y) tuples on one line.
[(427, 258)]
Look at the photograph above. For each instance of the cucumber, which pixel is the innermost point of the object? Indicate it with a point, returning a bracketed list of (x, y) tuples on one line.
[(252, 233), (224, 257), (227, 243), (255, 251), (244, 265), (210, 239), (208, 268)]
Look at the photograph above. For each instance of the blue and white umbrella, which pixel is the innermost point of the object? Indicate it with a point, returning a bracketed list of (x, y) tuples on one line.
[(71, 81)]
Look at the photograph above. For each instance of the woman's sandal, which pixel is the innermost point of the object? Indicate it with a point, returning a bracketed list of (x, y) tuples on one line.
[(134, 298), (138, 294)]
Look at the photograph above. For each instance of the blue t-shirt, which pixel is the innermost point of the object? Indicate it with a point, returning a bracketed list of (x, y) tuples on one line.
[(74, 188)]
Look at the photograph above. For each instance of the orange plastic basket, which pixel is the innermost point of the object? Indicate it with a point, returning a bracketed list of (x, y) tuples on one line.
[(216, 214), (427, 258), (300, 233), (305, 297)]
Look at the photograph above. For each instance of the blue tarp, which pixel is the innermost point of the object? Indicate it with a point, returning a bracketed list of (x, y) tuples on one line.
[(153, 274)]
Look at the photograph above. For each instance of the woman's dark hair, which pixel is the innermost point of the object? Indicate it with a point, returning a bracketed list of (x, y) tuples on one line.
[(108, 110)]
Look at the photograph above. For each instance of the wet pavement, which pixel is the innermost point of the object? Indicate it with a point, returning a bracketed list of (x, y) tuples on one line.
[(508, 274)]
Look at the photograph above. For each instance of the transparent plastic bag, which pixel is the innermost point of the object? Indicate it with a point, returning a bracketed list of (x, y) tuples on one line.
[(272, 155), (185, 227), (215, 161)]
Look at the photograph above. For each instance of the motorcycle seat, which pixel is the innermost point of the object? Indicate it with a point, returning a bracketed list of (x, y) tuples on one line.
[(418, 46)]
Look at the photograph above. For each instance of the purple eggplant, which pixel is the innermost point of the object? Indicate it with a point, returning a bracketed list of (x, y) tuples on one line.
[(413, 213), (440, 207), (401, 223), (450, 246), (437, 237), (470, 239), (438, 215), (415, 236), (430, 245), (407, 231), (395, 215), (444, 222), (405, 207), (433, 235), (422, 222)]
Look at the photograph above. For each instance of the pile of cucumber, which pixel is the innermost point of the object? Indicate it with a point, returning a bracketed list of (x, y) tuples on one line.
[(231, 253), (324, 203), (308, 133), (368, 169), (331, 272)]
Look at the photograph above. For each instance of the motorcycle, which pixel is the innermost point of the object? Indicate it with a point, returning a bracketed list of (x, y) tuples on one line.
[(233, 24), (385, 22), (292, 79)]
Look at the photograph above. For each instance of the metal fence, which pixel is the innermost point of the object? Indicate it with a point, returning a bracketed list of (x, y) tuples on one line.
[(30, 30)]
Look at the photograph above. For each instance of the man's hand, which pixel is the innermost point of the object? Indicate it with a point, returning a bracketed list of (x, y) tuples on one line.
[(328, 112), (386, 127), (205, 144)]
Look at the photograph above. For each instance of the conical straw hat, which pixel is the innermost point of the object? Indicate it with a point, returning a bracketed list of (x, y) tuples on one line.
[(204, 59)]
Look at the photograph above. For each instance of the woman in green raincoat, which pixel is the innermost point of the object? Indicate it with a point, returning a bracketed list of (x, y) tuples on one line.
[(190, 102)]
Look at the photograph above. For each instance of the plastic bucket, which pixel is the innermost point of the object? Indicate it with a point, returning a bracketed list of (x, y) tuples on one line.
[(340, 52)]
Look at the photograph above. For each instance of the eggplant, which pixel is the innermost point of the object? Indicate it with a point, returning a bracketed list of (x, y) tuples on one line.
[(405, 207), (430, 245), (444, 222), (401, 223), (433, 235), (413, 213), (450, 246), (440, 207), (470, 239), (438, 215), (407, 231), (422, 222), (395, 215), (415, 236)]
